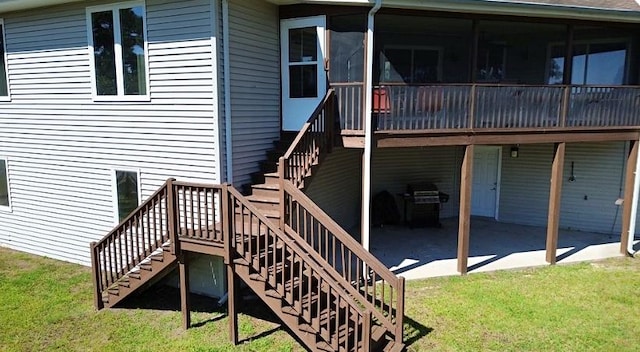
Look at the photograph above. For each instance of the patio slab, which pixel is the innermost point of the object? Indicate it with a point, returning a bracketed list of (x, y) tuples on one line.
[(429, 252)]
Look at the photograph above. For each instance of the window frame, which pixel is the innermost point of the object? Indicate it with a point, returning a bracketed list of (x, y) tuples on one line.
[(114, 189), (588, 43), (7, 208), (114, 8), (6, 61), (413, 49)]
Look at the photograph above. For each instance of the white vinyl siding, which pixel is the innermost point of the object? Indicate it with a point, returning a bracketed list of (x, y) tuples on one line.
[(588, 203), (63, 146), (255, 83), (336, 186)]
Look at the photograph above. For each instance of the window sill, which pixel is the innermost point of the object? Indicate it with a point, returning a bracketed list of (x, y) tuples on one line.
[(5, 209), (5, 99), (121, 98)]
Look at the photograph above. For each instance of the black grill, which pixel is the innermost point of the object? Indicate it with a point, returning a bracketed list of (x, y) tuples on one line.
[(424, 201)]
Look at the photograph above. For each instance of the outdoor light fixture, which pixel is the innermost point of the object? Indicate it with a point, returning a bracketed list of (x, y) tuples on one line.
[(515, 151), (572, 177)]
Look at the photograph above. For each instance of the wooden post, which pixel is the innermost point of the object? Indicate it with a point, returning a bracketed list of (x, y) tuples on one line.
[(281, 192), (555, 192), (231, 304), (96, 275), (632, 160), (171, 216), (366, 338), (399, 337), (226, 220), (184, 291), (464, 222)]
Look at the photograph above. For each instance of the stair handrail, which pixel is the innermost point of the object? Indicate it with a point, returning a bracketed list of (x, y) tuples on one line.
[(302, 251), (314, 138), (368, 271), (108, 269)]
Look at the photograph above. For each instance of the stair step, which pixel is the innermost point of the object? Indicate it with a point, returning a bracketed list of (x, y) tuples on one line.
[(134, 275), (267, 203), (266, 190)]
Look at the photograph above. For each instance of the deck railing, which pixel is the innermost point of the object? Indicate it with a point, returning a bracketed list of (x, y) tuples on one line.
[(450, 107), (372, 283), (349, 98), (269, 250), (314, 139), (137, 236)]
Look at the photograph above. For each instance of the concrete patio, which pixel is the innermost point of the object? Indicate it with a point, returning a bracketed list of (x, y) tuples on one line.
[(429, 252)]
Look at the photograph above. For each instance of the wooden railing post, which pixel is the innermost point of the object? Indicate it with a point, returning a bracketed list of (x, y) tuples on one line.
[(330, 116), (225, 219), (400, 312), (472, 105), (366, 338), (171, 216), (281, 204), (96, 276), (564, 110)]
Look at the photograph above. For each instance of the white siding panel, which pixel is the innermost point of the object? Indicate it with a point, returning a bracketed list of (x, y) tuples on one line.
[(395, 168), (336, 186), (62, 146), (255, 83), (587, 204)]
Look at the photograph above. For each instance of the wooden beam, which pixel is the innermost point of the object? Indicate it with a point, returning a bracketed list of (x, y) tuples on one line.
[(184, 291), (555, 192), (464, 222), (629, 181), (231, 304), (391, 140)]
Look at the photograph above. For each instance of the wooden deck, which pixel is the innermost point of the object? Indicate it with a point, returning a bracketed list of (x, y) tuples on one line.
[(462, 114)]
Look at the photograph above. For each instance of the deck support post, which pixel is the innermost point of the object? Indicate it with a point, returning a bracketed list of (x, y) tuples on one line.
[(184, 290), (629, 184), (464, 222), (555, 193), (231, 304)]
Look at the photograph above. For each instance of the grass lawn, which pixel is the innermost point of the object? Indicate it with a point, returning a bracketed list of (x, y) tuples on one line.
[(47, 305)]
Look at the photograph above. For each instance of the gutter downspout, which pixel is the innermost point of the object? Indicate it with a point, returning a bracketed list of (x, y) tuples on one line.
[(634, 207), (227, 93), (368, 130)]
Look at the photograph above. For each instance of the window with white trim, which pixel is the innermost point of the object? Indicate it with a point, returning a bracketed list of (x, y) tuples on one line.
[(5, 198), (126, 192), (118, 48), (4, 78)]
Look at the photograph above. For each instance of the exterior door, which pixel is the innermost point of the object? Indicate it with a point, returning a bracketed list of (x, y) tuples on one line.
[(304, 81), (486, 172)]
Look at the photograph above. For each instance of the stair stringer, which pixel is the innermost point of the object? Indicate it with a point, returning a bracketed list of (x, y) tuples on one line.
[(150, 270)]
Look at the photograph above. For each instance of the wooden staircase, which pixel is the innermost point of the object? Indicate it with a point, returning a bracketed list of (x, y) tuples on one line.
[(330, 292)]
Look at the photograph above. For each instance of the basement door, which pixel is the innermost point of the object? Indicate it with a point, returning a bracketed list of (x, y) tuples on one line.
[(486, 177), (304, 82)]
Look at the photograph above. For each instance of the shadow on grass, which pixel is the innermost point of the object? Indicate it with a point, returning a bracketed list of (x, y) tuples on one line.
[(414, 331), (167, 298)]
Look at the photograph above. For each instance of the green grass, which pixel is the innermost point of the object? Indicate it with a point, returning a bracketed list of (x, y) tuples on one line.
[(47, 305)]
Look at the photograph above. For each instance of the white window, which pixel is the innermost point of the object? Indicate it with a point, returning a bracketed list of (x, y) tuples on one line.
[(5, 197), (126, 192), (118, 51), (4, 77)]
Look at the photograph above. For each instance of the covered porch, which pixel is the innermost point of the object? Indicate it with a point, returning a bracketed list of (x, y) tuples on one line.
[(430, 252)]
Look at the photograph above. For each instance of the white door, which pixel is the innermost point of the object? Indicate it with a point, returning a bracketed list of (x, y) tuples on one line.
[(304, 81), (486, 172)]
